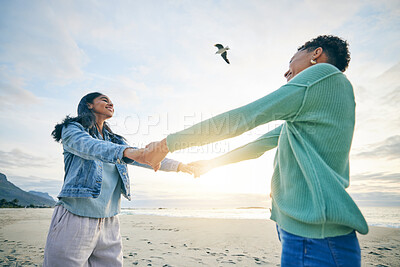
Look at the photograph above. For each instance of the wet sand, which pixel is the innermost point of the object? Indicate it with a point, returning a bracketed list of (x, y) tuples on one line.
[(168, 241)]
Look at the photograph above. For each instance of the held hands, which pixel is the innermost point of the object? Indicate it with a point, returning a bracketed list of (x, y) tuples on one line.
[(135, 154), (196, 168), (154, 153), (185, 168), (201, 167), (138, 155)]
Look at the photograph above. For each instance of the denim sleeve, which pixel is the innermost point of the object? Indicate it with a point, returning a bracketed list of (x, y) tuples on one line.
[(167, 165), (79, 142)]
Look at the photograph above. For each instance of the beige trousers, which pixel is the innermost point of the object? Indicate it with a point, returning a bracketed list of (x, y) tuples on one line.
[(82, 241)]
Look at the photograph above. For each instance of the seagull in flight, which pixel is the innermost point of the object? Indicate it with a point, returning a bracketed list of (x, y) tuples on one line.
[(222, 50)]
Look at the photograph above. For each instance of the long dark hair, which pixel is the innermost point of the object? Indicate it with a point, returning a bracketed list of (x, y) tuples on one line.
[(86, 118)]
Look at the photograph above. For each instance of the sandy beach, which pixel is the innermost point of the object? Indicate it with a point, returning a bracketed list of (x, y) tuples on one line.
[(170, 241)]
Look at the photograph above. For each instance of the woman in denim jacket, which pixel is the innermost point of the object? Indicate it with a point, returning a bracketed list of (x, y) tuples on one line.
[(85, 229)]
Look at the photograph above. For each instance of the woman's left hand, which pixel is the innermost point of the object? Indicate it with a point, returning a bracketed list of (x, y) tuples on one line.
[(185, 168), (201, 167), (135, 154)]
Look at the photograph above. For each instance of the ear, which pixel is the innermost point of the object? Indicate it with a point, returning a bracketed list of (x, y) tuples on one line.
[(89, 105), (318, 53)]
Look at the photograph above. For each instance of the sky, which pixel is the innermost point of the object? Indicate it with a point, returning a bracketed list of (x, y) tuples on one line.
[(156, 61)]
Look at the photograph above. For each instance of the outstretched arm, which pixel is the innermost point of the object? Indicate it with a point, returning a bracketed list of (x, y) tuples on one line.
[(134, 156), (167, 165), (251, 150), (283, 104), (79, 142)]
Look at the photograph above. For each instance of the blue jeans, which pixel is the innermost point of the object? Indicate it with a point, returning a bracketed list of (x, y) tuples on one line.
[(331, 251)]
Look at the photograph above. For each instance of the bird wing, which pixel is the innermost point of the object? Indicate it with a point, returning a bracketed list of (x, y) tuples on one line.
[(223, 55), (219, 46)]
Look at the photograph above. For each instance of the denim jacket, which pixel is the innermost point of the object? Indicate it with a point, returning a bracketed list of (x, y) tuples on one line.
[(83, 161)]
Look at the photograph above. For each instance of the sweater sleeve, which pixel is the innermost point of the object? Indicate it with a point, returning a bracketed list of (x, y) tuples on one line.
[(251, 150), (282, 104)]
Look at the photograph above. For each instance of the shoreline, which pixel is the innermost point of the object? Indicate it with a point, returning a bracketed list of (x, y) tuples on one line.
[(180, 241)]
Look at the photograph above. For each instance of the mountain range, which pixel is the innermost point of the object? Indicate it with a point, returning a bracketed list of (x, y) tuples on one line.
[(9, 192)]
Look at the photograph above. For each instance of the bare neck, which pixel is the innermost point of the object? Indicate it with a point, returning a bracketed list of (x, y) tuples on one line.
[(100, 124)]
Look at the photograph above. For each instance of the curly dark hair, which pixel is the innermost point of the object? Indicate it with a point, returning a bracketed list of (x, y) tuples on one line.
[(335, 48)]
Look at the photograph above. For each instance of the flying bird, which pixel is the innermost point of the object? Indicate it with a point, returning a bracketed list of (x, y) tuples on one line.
[(222, 50)]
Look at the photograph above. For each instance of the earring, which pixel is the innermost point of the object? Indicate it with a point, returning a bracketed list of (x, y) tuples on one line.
[(313, 61)]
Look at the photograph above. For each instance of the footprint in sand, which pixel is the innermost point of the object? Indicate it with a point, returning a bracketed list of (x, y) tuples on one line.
[(11, 258), (230, 261), (156, 257), (259, 261), (374, 253), (384, 248)]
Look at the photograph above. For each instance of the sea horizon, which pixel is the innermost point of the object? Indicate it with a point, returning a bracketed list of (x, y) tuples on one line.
[(375, 216)]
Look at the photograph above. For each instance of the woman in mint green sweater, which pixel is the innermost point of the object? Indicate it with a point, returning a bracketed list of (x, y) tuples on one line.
[(316, 218)]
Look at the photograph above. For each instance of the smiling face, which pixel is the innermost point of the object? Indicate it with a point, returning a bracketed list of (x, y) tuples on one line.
[(302, 60), (102, 107), (299, 62)]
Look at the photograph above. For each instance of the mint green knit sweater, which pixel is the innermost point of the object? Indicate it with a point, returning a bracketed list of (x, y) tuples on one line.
[(311, 167)]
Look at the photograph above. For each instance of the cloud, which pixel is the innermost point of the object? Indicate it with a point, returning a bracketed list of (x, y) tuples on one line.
[(12, 91), (36, 42), (376, 199), (376, 189), (28, 183), (19, 159), (385, 183), (389, 149), (378, 115), (381, 176)]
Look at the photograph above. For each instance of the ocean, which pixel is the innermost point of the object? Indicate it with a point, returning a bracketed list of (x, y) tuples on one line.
[(375, 216)]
